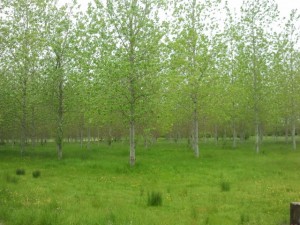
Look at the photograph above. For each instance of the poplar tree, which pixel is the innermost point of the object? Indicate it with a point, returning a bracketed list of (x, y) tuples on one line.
[(256, 17), (136, 34)]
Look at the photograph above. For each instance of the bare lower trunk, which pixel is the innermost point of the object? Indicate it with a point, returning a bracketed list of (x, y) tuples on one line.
[(24, 117), (59, 151), (146, 142), (98, 131), (275, 134), (89, 138), (33, 128), (294, 135), (81, 138), (257, 138), (196, 133), (81, 130), (204, 131), (234, 135), (60, 121), (59, 139), (216, 135), (261, 134), (110, 137), (132, 143), (286, 132)]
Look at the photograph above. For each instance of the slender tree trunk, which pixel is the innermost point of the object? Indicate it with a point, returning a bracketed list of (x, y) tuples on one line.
[(24, 116), (234, 134), (81, 137), (204, 130), (224, 137), (60, 110), (256, 92), (286, 131), (294, 135), (132, 143), (60, 120), (261, 134), (132, 110), (216, 135), (33, 127), (89, 137), (257, 138), (196, 133), (81, 130), (132, 83), (110, 137), (146, 143), (98, 135)]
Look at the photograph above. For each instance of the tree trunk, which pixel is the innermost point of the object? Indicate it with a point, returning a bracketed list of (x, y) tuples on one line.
[(261, 134), (294, 135), (256, 92), (81, 127), (132, 143), (59, 140), (98, 134), (195, 130), (234, 135), (257, 138), (204, 131), (81, 137), (33, 127), (216, 135), (89, 138), (24, 117), (110, 136), (146, 142), (196, 138)]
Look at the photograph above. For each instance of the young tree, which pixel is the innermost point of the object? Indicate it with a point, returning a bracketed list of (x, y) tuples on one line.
[(256, 16), (21, 53), (61, 53), (136, 34), (192, 54), (287, 64)]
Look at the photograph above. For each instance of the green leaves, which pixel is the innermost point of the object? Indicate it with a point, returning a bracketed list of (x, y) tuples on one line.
[(163, 65)]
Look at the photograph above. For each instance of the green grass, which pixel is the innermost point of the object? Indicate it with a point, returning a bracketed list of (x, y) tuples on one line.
[(97, 186)]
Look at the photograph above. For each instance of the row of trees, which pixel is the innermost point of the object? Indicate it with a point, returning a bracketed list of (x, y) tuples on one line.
[(156, 67)]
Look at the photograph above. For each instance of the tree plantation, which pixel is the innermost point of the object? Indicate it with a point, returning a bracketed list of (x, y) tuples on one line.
[(173, 112), (138, 70)]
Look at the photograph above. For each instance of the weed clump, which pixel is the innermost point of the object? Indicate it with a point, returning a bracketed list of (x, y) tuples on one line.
[(20, 171), (225, 186), (11, 179), (154, 199), (36, 173), (244, 219)]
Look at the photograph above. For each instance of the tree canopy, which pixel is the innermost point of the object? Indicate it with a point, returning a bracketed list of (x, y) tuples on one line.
[(131, 70)]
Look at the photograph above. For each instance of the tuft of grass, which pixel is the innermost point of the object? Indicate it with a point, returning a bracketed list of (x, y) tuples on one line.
[(154, 199), (194, 213), (20, 171), (111, 218), (11, 179), (225, 186), (244, 219), (36, 173)]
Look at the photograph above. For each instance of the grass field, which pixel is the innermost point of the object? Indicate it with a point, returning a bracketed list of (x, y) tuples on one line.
[(97, 186)]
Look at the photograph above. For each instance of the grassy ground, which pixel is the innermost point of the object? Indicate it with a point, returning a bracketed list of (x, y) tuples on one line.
[(92, 187)]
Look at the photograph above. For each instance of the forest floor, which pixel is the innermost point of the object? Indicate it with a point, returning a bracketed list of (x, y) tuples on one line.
[(97, 186)]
